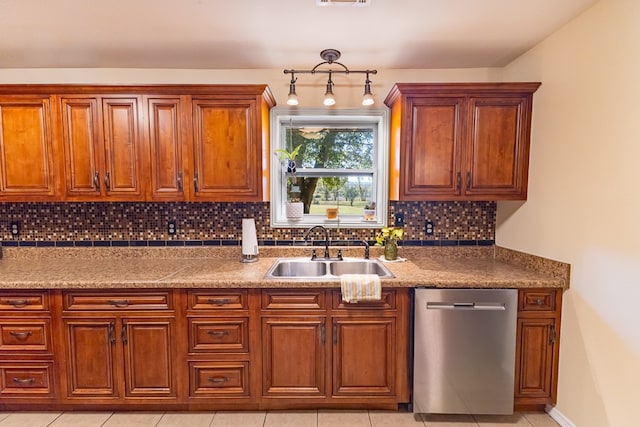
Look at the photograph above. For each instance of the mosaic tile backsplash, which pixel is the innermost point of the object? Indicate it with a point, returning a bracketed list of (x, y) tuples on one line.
[(145, 224)]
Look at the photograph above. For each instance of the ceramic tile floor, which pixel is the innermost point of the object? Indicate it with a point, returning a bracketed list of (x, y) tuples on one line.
[(322, 418)]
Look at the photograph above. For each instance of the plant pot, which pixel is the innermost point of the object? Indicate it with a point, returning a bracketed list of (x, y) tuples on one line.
[(391, 251), (369, 214), (294, 210)]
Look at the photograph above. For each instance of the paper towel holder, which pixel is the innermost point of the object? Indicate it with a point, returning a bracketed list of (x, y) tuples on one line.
[(249, 241)]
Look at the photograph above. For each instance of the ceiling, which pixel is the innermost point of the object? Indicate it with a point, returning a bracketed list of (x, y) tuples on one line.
[(257, 34)]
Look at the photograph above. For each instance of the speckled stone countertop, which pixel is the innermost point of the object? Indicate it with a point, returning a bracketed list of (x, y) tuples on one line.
[(220, 267)]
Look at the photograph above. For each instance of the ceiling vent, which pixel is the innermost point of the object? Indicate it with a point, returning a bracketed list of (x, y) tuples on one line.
[(343, 2)]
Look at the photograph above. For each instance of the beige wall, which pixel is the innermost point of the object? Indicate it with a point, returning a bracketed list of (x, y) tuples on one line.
[(310, 89), (584, 204)]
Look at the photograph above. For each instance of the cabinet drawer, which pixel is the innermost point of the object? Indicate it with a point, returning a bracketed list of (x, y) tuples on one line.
[(224, 300), (25, 335), (219, 336), (537, 300), (387, 302), (24, 301), (24, 379), (208, 379), (118, 301), (275, 299)]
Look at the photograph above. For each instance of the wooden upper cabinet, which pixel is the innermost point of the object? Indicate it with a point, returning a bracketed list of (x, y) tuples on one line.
[(226, 150), (103, 147), (460, 141), (165, 136), (135, 143), (498, 149), (27, 151)]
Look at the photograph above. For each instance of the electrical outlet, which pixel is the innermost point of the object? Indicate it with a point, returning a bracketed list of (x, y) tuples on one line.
[(171, 228), (428, 228), (399, 220), (15, 227)]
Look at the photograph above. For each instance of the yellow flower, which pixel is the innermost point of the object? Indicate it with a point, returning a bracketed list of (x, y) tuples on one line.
[(389, 234)]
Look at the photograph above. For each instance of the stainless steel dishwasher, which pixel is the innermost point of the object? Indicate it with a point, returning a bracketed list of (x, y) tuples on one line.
[(464, 351)]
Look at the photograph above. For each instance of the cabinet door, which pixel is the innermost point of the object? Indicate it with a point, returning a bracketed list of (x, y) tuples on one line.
[(149, 357), (535, 360), (498, 150), (165, 144), (294, 356), (26, 149), (431, 159), (91, 361), (363, 356), (122, 148), (81, 134), (226, 150)]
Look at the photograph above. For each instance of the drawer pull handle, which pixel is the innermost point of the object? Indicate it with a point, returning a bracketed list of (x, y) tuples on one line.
[(20, 335), (218, 380), (119, 303), (23, 381), (219, 301), (539, 301), (18, 303), (218, 334)]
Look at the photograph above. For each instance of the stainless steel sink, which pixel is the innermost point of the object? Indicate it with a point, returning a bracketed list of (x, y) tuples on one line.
[(338, 268), (295, 268), (307, 269)]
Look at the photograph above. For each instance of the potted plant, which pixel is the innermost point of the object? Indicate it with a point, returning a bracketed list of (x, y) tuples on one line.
[(388, 237), (369, 211), (294, 208)]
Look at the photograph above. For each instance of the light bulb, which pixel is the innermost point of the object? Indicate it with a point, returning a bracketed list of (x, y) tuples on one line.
[(329, 99)]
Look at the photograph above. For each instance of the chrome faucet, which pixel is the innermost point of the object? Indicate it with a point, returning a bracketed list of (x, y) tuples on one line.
[(326, 238)]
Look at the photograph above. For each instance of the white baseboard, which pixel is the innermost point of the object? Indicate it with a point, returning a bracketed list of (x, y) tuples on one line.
[(559, 417)]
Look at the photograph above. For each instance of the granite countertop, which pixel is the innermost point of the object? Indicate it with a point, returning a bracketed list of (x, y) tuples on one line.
[(219, 267)]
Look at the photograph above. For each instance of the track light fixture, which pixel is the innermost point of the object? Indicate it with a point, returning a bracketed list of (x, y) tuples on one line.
[(330, 57)]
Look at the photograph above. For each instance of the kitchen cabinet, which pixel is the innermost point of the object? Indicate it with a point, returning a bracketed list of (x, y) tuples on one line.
[(27, 374), (537, 347), (219, 343), (166, 137), (343, 352), (120, 347), (28, 151), (460, 141), (135, 143), (103, 147), (227, 149)]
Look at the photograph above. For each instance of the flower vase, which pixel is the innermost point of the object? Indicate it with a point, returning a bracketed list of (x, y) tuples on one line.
[(391, 251)]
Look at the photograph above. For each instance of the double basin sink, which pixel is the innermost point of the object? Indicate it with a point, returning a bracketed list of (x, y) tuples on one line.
[(307, 269)]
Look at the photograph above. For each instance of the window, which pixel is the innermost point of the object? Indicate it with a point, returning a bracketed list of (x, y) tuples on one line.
[(339, 176)]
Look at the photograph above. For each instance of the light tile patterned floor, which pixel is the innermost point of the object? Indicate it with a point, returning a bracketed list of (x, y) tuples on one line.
[(322, 418)]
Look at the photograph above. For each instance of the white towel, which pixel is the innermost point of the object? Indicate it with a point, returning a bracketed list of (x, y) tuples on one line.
[(360, 287)]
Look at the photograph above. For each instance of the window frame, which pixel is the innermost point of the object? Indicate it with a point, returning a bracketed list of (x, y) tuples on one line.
[(373, 117)]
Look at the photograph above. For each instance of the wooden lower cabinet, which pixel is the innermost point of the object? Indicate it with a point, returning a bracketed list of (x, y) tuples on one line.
[(321, 352), (27, 371), (120, 358), (234, 349), (120, 348), (537, 348)]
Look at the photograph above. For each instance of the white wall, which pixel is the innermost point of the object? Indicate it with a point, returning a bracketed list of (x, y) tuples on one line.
[(584, 204)]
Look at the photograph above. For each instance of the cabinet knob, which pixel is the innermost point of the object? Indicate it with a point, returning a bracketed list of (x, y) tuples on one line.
[(96, 181), (107, 180)]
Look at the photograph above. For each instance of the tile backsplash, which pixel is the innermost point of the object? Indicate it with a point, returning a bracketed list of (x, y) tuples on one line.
[(143, 223)]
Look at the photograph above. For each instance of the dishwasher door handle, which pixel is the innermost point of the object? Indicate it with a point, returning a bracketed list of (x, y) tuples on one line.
[(480, 306)]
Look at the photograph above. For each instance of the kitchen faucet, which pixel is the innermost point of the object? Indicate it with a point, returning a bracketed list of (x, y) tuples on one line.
[(326, 242)]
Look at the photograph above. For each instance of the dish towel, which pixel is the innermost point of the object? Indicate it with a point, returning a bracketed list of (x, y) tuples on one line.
[(360, 287)]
